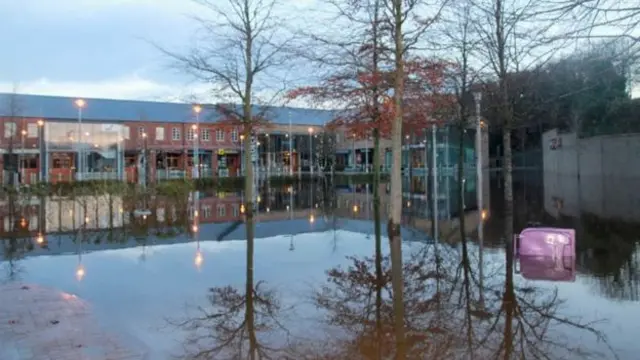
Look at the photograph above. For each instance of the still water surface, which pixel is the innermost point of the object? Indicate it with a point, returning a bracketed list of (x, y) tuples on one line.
[(175, 279)]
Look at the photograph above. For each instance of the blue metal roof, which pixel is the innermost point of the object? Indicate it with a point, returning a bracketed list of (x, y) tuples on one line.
[(109, 110)]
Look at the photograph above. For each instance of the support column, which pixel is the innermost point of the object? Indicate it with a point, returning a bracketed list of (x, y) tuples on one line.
[(214, 163), (299, 162), (153, 164), (183, 162), (268, 145)]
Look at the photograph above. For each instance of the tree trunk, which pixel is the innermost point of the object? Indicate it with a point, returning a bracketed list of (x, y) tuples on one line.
[(396, 187), (249, 290), (463, 236), (509, 300), (507, 170), (378, 235)]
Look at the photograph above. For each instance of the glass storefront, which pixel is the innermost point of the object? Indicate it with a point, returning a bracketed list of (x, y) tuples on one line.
[(95, 148)]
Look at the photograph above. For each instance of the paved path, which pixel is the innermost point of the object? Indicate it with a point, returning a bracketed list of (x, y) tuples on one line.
[(37, 323)]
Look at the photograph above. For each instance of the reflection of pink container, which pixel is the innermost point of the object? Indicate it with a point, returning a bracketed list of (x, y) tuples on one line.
[(548, 268), (548, 242)]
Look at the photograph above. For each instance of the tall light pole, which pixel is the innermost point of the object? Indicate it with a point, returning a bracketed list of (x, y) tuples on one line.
[(366, 153), (43, 161), (268, 154), (20, 162), (241, 154), (145, 168), (196, 156), (80, 104), (310, 150), (436, 211), (477, 96), (290, 147)]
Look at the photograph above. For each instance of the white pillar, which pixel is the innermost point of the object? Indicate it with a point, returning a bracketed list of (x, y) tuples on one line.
[(479, 190), (435, 181)]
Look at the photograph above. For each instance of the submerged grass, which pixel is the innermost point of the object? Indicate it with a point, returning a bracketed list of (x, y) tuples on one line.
[(173, 187)]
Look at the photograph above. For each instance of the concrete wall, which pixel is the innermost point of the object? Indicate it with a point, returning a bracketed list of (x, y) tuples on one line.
[(609, 156)]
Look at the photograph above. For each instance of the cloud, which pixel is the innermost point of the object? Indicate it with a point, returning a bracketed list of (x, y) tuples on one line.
[(131, 87), (137, 87)]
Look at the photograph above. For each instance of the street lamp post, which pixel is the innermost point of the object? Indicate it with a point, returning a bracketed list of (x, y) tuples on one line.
[(43, 161), (268, 154), (21, 157), (434, 172), (241, 154), (310, 151), (80, 104), (366, 153), (196, 151), (290, 147), (477, 96), (145, 168)]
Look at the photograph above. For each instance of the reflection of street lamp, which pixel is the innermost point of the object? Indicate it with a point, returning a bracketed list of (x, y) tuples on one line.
[(312, 219), (80, 104), (80, 272), (199, 258)]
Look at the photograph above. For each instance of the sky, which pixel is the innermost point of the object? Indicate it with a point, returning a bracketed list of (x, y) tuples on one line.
[(100, 48)]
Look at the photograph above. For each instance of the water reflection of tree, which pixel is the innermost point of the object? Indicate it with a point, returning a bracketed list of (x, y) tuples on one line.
[(444, 318), (358, 300), (16, 242), (237, 323), (611, 248), (526, 321)]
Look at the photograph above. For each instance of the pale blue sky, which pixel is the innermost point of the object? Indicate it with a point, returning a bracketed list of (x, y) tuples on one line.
[(99, 48), (96, 48), (92, 47)]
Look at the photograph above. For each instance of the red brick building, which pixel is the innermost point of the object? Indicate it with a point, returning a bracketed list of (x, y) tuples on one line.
[(48, 138)]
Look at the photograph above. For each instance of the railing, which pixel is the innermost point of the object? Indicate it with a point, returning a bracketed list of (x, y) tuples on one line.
[(206, 173), (110, 175), (170, 174)]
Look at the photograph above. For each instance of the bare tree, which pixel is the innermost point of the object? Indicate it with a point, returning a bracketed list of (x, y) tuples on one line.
[(406, 28), (514, 37), (239, 43), (596, 19)]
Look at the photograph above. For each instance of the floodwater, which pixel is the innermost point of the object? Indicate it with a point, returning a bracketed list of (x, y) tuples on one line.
[(179, 275)]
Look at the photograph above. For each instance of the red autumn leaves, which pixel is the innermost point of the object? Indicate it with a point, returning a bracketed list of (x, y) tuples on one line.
[(367, 98)]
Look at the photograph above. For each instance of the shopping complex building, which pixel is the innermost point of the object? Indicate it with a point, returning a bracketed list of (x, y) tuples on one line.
[(59, 139), (63, 139)]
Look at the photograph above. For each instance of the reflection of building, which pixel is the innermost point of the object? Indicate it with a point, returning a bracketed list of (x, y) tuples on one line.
[(117, 139), (606, 197), (24, 218), (357, 202)]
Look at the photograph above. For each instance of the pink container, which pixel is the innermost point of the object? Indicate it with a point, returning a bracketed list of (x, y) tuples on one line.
[(546, 242), (548, 268)]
